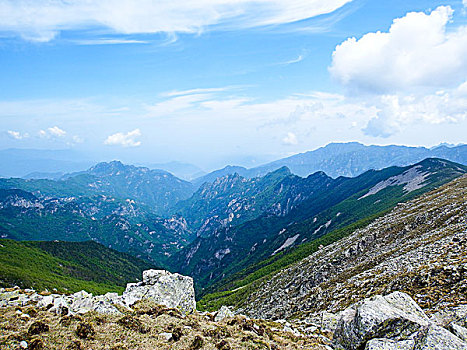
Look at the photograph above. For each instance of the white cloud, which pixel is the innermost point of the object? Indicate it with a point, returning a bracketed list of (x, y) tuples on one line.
[(418, 51), (290, 139), (107, 41), (196, 91), (397, 112), (56, 131), (77, 139), (295, 60), (17, 135), (125, 140), (43, 20), (53, 132)]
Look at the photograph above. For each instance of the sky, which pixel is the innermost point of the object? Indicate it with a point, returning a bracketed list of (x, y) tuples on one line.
[(215, 82)]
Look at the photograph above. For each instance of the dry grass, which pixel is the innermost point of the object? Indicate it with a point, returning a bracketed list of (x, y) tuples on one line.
[(142, 329)]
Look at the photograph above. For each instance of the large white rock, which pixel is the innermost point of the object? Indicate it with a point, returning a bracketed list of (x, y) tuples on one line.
[(165, 288), (395, 316)]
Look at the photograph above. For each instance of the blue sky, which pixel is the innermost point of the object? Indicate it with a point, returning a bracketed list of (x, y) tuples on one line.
[(213, 82)]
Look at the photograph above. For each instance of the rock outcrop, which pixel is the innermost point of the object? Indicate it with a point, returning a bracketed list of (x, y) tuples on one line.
[(162, 287), (389, 322)]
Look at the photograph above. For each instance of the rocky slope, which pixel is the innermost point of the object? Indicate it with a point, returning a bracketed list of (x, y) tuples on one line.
[(419, 248)]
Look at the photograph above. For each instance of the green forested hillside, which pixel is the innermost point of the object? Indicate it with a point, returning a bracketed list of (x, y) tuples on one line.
[(67, 266)]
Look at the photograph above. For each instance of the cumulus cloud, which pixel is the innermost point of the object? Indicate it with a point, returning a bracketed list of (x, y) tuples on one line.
[(54, 132), (396, 112), (126, 140), (416, 51), (43, 20), (17, 135), (290, 139)]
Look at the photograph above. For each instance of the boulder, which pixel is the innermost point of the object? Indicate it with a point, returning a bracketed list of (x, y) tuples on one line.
[(436, 337), (395, 316), (224, 312), (165, 288)]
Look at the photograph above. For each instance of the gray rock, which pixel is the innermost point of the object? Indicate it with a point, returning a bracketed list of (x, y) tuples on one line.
[(458, 331), (457, 314), (388, 344), (435, 337), (329, 321), (395, 316), (46, 301), (165, 288), (224, 312), (60, 306), (166, 336)]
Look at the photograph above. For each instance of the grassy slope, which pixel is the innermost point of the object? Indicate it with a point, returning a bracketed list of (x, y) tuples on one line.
[(67, 266)]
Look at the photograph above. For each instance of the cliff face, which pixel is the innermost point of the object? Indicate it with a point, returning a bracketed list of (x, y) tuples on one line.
[(419, 248)]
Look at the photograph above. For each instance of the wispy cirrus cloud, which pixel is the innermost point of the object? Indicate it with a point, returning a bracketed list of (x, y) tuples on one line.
[(44, 20), (109, 41), (292, 61)]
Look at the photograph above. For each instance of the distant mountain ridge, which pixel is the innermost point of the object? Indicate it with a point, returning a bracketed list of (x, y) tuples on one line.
[(346, 159), (157, 189)]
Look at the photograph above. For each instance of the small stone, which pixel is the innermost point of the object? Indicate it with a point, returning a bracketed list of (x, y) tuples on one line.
[(166, 336), (23, 345), (459, 331)]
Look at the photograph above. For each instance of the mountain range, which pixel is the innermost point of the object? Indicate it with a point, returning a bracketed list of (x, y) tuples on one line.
[(346, 159), (234, 229), (303, 210)]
